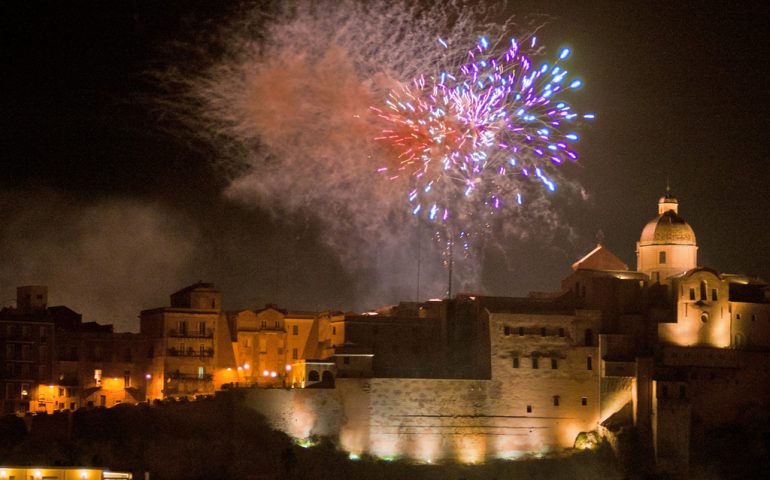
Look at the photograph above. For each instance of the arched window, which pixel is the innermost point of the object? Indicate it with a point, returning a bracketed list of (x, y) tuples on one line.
[(703, 290), (313, 376), (589, 340), (327, 377)]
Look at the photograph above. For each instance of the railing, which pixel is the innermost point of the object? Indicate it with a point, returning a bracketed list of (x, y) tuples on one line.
[(190, 352), (206, 377), (209, 333)]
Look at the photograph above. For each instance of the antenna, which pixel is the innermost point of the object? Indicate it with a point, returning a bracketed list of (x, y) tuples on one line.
[(419, 259), (450, 264)]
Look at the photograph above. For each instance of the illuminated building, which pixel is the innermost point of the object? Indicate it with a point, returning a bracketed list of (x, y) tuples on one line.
[(26, 346), (185, 342), (60, 473)]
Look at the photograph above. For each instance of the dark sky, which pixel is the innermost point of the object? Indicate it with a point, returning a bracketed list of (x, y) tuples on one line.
[(104, 204)]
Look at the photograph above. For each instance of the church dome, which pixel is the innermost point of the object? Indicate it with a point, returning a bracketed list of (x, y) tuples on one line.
[(668, 228)]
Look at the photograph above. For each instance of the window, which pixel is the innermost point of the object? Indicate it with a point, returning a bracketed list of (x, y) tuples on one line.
[(506, 330), (561, 332), (662, 258), (98, 377), (521, 331), (127, 379), (753, 317), (202, 328), (294, 353), (529, 408), (313, 376), (535, 363), (346, 360), (714, 294), (334, 330), (201, 372), (515, 362), (542, 331), (61, 392), (692, 294), (554, 363), (737, 316), (555, 400), (703, 290), (589, 338), (295, 329), (203, 350), (584, 401), (589, 363), (182, 327)]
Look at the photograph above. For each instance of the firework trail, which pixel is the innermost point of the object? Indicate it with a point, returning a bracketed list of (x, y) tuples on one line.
[(284, 93)]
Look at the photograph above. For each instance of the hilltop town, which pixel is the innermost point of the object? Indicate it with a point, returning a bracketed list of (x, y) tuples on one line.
[(671, 349)]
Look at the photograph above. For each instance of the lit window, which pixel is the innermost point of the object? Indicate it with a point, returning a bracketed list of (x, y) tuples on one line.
[(98, 377), (201, 372), (662, 258)]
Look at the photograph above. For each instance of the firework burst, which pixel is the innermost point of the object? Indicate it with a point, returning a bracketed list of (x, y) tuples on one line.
[(475, 133)]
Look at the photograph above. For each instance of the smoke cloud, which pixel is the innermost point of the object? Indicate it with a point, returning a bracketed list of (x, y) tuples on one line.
[(107, 259)]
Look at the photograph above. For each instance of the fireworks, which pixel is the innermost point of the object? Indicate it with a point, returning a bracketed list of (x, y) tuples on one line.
[(475, 133), (284, 95)]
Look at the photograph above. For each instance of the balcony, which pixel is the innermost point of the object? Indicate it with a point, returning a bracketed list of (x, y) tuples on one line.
[(209, 333), (190, 352)]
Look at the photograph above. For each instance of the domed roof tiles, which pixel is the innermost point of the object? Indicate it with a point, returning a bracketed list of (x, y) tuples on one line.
[(667, 229)]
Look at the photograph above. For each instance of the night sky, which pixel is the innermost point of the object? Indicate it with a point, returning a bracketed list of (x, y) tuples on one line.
[(106, 202)]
